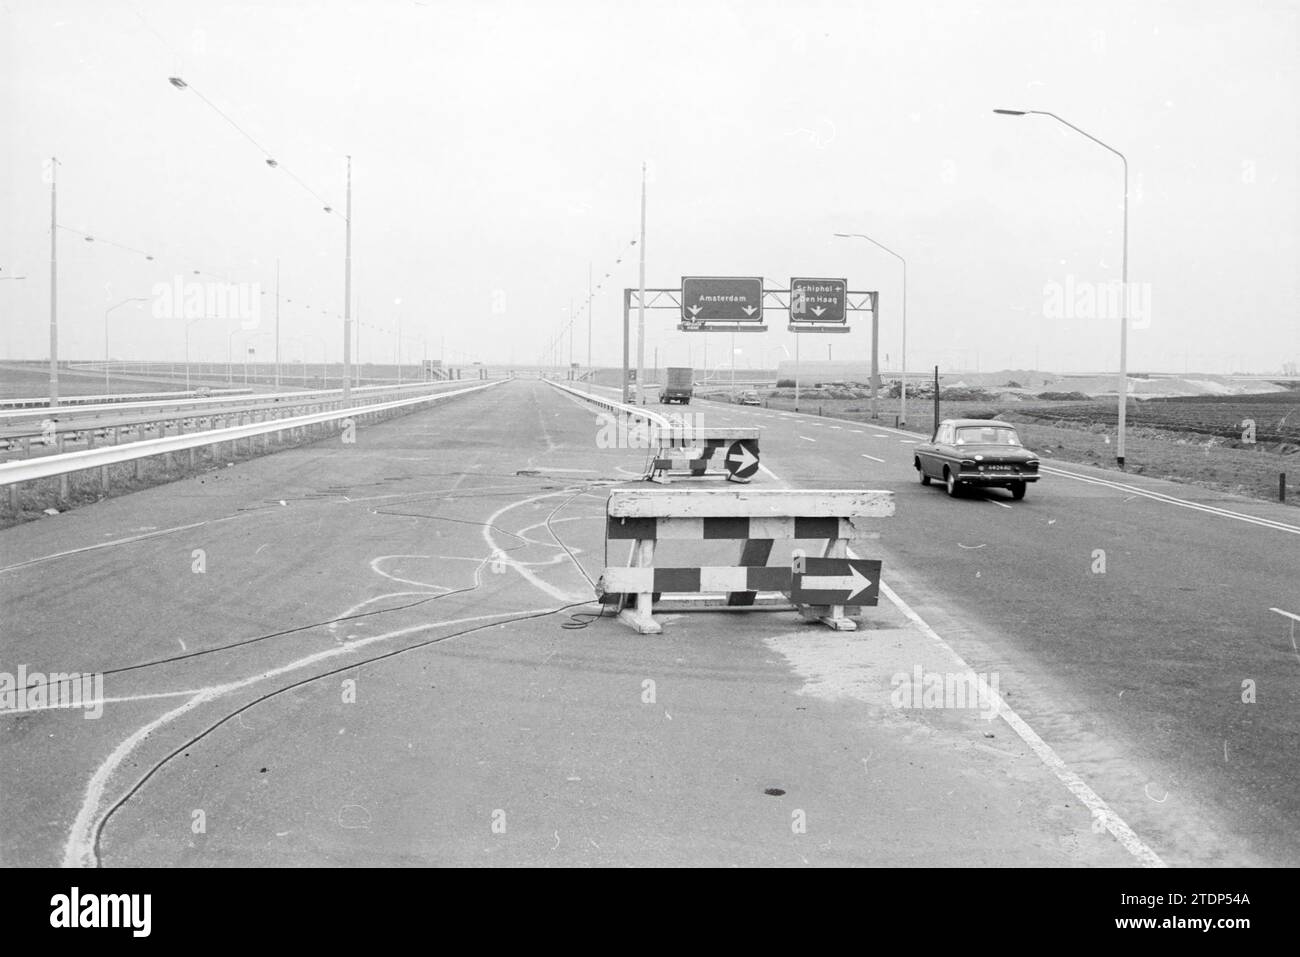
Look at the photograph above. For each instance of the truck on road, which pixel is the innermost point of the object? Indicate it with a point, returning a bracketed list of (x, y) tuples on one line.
[(678, 386)]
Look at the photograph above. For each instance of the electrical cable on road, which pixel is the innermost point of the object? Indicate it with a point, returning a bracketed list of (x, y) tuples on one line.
[(523, 543), (157, 766)]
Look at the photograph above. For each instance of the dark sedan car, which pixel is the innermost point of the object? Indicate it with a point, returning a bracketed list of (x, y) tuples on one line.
[(979, 452)]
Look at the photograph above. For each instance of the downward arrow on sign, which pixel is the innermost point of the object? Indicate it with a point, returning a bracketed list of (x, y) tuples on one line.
[(746, 458), (694, 310), (817, 310), (749, 310), (855, 582)]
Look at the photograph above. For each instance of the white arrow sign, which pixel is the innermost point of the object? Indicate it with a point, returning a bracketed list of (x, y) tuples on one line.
[(746, 458), (855, 582), (694, 310), (817, 310), (749, 310)]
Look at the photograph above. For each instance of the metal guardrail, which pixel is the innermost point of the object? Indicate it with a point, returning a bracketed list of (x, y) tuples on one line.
[(609, 405), (40, 403), (215, 401), (53, 466)]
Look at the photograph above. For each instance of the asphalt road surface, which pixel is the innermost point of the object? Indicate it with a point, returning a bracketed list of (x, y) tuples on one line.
[(357, 654)]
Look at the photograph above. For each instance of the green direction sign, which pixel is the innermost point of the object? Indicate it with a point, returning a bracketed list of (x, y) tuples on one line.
[(722, 299), (818, 300)]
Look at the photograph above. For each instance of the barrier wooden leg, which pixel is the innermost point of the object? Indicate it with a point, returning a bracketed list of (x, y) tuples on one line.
[(838, 548), (640, 617)]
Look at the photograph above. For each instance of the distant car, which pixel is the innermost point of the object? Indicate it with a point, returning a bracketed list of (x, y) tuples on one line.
[(750, 398), (976, 452), (203, 391)]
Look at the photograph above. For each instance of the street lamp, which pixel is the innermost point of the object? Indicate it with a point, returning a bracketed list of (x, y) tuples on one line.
[(106, 313), (1123, 319), (187, 350), (230, 362), (875, 325)]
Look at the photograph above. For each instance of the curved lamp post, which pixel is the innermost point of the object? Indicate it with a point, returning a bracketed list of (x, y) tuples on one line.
[(1123, 318)]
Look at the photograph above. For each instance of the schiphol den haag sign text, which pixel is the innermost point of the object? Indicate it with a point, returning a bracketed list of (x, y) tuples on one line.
[(818, 300), (722, 299)]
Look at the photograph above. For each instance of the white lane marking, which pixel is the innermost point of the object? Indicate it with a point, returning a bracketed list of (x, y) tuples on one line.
[(806, 439), (993, 501), (1100, 809), (872, 457), (1286, 613), (908, 441), (856, 431), (116, 541), (1171, 500), (1077, 786), (79, 849), (837, 428)]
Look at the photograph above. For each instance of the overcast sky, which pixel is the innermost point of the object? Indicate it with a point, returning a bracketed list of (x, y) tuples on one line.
[(497, 151)]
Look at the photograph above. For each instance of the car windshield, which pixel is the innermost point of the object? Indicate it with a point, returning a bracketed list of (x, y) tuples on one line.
[(986, 435)]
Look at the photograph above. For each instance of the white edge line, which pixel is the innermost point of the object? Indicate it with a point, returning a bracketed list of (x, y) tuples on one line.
[(1077, 786), (872, 457)]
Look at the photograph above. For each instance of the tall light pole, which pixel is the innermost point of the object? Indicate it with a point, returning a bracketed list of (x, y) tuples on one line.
[(398, 352), (875, 326), (640, 324), (347, 300), (54, 284), (106, 314), (230, 359), (1123, 318), (277, 325), (187, 348)]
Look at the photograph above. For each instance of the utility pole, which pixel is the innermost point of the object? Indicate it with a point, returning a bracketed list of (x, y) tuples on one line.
[(591, 371), (796, 372), (640, 329), (277, 325), (347, 301), (54, 285), (875, 353)]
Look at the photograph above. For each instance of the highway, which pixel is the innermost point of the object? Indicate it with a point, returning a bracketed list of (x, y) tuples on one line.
[(367, 654)]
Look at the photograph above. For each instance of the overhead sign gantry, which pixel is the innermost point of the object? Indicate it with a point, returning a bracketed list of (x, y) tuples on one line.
[(739, 303)]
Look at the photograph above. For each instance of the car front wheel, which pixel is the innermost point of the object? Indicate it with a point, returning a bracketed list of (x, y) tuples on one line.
[(1018, 490), (951, 481), (925, 479)]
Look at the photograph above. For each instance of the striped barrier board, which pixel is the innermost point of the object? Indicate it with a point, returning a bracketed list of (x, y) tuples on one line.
[(737, 459), (832, 588)]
